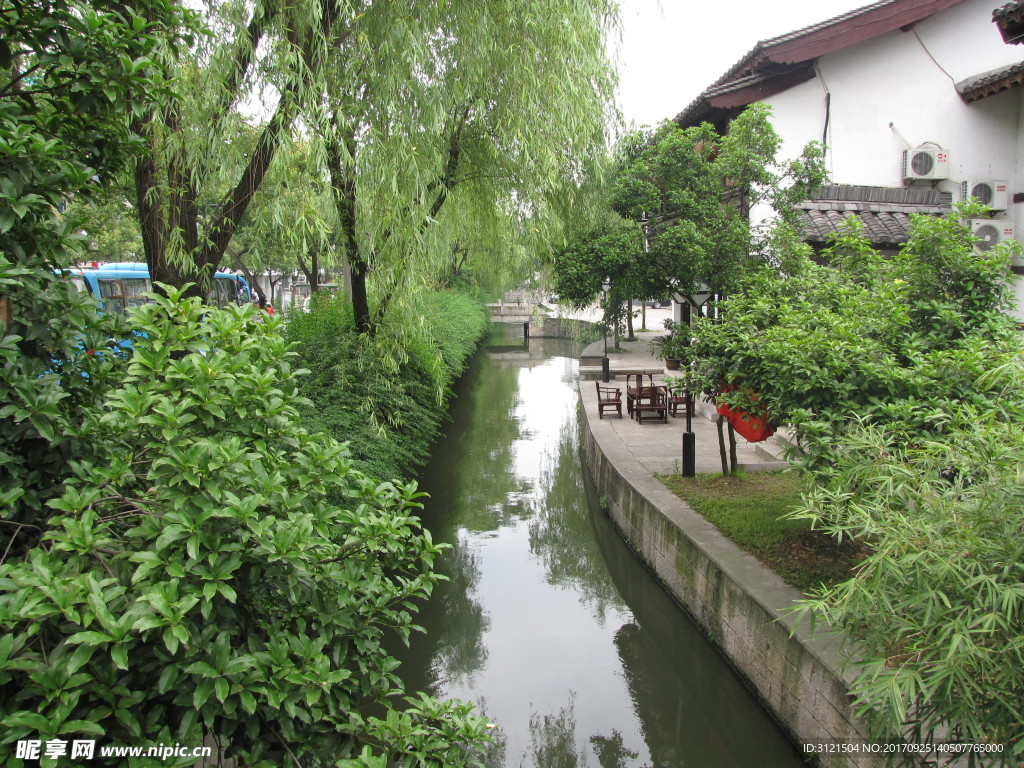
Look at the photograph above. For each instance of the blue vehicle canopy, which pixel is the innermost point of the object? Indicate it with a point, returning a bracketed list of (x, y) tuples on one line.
[(118, 286)]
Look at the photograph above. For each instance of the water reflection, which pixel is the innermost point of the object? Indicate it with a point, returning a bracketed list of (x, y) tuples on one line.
[(548, 623)]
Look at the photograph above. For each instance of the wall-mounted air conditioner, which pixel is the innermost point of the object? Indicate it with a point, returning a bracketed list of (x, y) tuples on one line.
[(992, 193), (990, 233), (925, 164)]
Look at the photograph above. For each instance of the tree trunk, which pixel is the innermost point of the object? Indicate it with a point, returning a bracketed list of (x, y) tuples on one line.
[(629, 322), (170, 211), (732, 449), (312, 272), (360, 304), (343, 190), (721, 445)]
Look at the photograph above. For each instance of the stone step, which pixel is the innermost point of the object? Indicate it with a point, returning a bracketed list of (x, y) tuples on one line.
[(769, 450)]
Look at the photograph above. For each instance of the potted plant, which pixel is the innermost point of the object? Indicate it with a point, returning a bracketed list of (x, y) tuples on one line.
[(673, 348)]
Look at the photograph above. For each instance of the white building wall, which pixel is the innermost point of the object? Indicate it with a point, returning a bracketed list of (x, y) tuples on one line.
[(897, 92)]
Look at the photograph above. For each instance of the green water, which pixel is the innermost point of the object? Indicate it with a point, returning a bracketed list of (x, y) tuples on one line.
[(549, 623)]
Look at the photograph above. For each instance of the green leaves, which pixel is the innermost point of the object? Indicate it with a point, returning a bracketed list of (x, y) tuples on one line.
[(694, 188), (203, 578), (610, 254), (901, 378)]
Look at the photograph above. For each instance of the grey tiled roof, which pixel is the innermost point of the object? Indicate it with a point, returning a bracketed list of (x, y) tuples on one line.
[(990, 83), (1010, 20), (884, 212), (1008, 10)]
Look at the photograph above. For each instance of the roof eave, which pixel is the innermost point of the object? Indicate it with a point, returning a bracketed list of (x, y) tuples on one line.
[(805, 46)]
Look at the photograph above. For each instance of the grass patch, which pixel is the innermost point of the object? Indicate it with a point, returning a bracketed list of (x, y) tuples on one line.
[(748, 508)]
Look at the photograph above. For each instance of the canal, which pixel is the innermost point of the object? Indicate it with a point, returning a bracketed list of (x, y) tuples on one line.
[(548, 622)]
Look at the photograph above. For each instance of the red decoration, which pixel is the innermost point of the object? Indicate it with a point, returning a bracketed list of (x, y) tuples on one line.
[(753, 428)]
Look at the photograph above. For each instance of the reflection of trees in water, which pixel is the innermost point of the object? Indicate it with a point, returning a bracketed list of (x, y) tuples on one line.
[(553, 739), (452, 645), (611, 752), (473, 471), (560, 531), (460, 649)]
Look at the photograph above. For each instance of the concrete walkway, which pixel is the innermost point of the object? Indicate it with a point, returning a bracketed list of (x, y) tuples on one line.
[(658, 447)]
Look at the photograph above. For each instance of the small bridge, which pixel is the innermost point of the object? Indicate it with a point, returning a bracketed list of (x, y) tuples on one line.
[(516, 313)]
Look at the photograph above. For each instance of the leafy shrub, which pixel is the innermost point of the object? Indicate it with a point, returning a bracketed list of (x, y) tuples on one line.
[(886, 340), (902, 378), (938, 603), (70, 77), (215, 573), (385, 398)]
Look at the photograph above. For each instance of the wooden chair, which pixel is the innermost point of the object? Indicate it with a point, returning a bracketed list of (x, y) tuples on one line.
[(608, 398), (634, 383), (677, 399), (651, 404)]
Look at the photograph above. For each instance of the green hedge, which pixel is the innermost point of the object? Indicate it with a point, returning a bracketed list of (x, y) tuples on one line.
[(216, 573), (386, 398)]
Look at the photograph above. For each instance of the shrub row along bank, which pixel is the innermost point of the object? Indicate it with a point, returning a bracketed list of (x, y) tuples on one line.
[(386, 399), (217, 572)]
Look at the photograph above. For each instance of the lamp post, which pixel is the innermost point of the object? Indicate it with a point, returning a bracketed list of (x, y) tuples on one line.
[(605, 371), (687, 301)]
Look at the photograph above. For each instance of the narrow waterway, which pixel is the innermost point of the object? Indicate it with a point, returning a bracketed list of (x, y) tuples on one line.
[(548, 622)]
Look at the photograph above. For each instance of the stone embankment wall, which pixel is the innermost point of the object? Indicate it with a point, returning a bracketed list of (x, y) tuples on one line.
[(743, 607)]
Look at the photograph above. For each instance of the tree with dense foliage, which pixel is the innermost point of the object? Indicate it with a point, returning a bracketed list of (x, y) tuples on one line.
[(421, 114), (195, 182), (432, 137), (900, 376), (867, 338), (691, 192), (694, 189), (71, 76), (607, 261)]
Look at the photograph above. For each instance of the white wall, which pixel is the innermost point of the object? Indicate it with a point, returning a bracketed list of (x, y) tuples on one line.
[(897, 92)]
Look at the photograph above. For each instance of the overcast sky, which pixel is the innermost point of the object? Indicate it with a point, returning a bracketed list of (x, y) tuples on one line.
[(671, 50)]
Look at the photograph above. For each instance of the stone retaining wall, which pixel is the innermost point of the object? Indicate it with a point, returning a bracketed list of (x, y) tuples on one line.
[(739, 603)]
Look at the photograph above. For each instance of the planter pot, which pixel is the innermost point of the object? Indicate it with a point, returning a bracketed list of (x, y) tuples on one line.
[(672, 363), (751, 427)]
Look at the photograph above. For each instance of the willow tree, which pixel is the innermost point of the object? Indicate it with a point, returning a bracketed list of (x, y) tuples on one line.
[(447, 127), (200, 173), (474, 115)]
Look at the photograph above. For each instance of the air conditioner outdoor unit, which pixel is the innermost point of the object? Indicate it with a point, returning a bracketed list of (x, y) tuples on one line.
[(990, 233), (925, 164), (994, 194)]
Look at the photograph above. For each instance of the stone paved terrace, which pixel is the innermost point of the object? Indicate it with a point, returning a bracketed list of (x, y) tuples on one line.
[(654, 446)]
